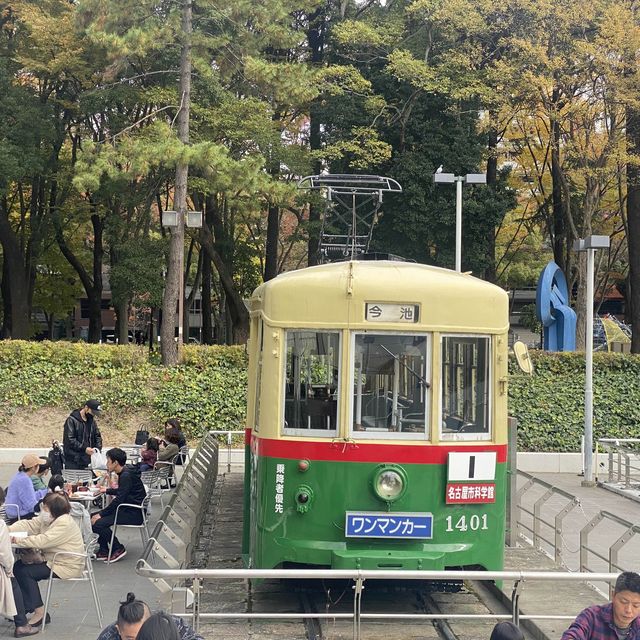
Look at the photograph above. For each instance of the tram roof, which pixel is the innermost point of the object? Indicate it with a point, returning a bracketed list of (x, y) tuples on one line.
[(335, 294)]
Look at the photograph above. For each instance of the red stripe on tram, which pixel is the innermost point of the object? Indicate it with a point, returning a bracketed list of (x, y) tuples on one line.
[(340, 451)]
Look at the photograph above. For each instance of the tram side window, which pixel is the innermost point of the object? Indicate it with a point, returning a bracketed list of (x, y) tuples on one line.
[(311, 382), (465, 386), (390, 385)]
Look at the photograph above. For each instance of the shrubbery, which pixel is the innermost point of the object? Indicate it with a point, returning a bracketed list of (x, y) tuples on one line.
[(550, 404), (208, 390)]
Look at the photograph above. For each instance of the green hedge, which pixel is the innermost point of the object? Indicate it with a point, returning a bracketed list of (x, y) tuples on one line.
[(207, 391), (550, 404)]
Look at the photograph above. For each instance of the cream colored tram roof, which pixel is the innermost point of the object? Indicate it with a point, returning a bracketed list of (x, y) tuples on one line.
[(319, 296)]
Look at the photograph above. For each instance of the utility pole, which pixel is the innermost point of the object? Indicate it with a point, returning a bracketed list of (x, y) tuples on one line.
[(173, 290)]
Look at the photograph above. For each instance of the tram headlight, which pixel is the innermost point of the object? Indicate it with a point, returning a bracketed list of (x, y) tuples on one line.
[(389, 483)]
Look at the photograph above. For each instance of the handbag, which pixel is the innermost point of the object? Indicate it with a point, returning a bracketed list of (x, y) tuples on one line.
[(98, 460), (141, 436), (30, 556)]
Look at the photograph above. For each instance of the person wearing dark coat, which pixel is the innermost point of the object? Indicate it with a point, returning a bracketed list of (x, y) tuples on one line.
[(81, 436), (130, 490)]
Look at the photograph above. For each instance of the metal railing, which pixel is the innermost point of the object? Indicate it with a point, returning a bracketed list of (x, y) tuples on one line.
[(630, 530), (624, 460), (538, 522), (229, 438), (359, 577)]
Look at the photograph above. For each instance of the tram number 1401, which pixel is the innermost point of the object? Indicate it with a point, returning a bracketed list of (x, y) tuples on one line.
[(464, 523)]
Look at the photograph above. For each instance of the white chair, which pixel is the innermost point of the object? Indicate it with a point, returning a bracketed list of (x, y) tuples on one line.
[(186, 456), (3, 512), (87, 576), (144, 530), (153, 483), (77, 475)]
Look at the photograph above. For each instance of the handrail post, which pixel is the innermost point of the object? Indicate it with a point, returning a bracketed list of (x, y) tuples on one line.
[(627, 471), (537, 520), (515, 598), (229, 440), (196, 604), (558, 527), (358, 587)]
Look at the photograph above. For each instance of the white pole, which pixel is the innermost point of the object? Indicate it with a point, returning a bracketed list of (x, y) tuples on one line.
[(459, 180), (588, 379)]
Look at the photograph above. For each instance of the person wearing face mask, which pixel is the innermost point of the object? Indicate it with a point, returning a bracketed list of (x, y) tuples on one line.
[(22, 498), (81, 436), (52, 531)]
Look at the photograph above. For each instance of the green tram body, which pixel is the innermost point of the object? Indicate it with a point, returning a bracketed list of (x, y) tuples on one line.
[(319, 366)]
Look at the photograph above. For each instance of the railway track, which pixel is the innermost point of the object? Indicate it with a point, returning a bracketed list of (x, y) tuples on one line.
[(220, 547)]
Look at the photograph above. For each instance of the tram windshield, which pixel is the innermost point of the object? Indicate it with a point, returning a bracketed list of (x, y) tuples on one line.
[(311, 383), (465, 388), (390, 385)]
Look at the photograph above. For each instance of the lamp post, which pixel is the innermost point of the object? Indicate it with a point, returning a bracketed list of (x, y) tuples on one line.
[(172, 219), (589, 244), (449, 178)]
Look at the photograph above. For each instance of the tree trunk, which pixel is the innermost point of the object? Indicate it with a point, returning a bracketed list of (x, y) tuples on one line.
[(237, 311), (316, 34), (92, 286), (15, 281), (559, 228), (271, 253), (492, 177), (173, 290), (122, 322), (633, 223), (207, 325)]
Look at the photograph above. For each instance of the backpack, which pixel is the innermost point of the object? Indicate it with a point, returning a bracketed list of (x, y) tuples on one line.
[(56, 459)]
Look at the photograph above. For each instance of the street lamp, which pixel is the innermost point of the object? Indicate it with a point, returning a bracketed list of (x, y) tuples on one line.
[(449, 178), (193, 219), (589, 244)]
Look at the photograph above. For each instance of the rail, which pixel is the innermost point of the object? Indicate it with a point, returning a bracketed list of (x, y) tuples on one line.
[(624, 460), (537, 519)]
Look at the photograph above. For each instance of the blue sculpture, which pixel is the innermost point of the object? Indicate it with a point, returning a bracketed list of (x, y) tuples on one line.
[(553, 310)]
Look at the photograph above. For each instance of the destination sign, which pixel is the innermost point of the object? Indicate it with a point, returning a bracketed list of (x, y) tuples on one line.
[(391, 312)]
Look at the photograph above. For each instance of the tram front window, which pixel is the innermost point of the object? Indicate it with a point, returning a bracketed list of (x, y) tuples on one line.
[(390, 385), (311, 382), (465, 387)]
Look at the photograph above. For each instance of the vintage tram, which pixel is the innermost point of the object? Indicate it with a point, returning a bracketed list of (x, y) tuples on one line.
[(377, 419)]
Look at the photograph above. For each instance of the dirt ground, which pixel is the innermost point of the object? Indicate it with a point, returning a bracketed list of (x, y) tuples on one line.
[(37, 428)]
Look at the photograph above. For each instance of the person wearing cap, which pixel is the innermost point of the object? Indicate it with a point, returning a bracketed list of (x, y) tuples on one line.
[(81, 436), (22, 498)]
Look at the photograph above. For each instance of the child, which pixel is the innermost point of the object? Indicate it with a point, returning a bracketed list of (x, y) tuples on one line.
[(149, 454), (38, 477)]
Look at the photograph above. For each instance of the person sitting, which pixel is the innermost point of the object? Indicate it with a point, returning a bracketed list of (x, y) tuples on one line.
[(39, 476), (132, 615), (130, 490), (9, 587), (20, 491), (173, 425), (159, 626), (618, 619), (149, 454), (54, 530)]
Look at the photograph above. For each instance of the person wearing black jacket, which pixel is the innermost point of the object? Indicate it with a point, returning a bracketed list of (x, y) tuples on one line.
[(81, 436), (130, 491)]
